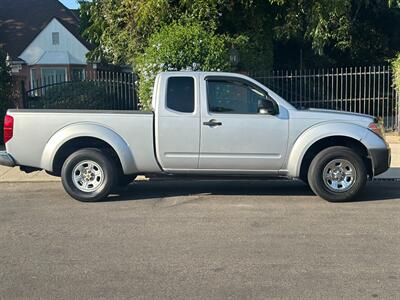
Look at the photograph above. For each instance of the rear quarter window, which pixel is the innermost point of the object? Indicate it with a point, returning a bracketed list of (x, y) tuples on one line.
[(180, 94)]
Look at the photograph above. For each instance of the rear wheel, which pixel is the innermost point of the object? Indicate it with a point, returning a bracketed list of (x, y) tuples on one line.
[(337, 174), (88, 175)]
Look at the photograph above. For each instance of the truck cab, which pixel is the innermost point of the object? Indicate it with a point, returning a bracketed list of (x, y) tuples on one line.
[(219, 123)]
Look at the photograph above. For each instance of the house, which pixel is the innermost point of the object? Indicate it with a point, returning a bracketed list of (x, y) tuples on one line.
[(42, 41)]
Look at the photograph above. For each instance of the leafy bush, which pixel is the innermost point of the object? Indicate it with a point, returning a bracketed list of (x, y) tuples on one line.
[(396, 72), (5, 90), (178, 47), (75, 95)]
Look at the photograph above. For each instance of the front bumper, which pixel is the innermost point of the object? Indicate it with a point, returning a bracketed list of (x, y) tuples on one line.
[(380, 160), (6, 159)]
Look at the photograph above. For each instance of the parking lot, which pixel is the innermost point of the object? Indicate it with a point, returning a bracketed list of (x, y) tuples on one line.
[(199, 239)]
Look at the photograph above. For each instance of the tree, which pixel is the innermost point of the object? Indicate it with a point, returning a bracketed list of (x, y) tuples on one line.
[(396, 71), (357, 32), (321, 23), (280, 33), (121, 28), (5, 88), (375, 37)]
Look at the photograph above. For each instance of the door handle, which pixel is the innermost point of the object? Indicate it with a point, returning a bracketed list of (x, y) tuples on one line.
[(212, 123)]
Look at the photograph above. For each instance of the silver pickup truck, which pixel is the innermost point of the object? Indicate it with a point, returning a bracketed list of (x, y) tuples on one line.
[(202, 124)]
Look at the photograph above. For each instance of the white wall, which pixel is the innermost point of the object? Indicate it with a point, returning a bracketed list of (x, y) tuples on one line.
[(43, 42)]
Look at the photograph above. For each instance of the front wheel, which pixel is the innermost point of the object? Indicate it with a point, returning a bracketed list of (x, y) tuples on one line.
[(337, 174), (88, 175)]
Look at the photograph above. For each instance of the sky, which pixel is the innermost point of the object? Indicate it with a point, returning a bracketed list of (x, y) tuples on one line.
[(70, 3)]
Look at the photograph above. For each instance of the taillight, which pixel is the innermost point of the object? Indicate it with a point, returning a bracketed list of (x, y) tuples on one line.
[(8, 128), (376, 128)]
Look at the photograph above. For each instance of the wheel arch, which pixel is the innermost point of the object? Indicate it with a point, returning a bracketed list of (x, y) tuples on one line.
[(321, 137), (331, 141), (79, 136)]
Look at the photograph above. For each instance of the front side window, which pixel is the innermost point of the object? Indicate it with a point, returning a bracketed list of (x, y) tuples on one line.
[(180, 94), (234, 97)]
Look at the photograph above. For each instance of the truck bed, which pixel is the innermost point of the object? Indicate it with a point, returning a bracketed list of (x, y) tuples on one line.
[(33, 129)]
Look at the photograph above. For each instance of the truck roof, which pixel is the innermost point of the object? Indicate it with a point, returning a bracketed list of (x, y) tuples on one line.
[(162, 76), (191, 73)]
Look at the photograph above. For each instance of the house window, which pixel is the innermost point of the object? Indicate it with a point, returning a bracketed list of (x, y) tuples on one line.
[(34, 83), (56, 38), (53, 75), (78, 74), (33, 78)]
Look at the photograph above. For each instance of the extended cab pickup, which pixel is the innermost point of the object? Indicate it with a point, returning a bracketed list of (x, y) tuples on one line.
[(202, 124)]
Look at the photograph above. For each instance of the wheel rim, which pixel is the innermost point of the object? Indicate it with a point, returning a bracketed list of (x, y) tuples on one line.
[(87, 176), (339, 175)]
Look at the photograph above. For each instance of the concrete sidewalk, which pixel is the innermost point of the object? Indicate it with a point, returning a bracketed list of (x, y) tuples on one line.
[(15, 175), (394, 171)]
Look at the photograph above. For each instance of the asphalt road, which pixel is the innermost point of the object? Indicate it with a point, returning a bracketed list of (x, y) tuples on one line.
[(200, 240)]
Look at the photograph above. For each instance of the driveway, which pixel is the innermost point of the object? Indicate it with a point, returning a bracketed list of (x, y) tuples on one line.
[(199, 240)]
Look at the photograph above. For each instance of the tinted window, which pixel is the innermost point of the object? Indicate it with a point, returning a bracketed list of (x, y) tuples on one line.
[(234, 97), (180, 94)]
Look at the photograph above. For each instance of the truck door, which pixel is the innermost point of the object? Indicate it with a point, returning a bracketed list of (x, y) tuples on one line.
[(242, 128), (177, 123)]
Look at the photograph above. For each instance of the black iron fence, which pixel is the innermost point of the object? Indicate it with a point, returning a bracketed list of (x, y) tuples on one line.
[(84, 90), (367, 90)]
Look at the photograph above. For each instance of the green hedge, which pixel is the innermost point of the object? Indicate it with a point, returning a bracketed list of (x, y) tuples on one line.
[(396, 72)]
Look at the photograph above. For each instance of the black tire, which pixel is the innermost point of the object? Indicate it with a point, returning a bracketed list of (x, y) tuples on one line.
[(104, 185), (328, 189)]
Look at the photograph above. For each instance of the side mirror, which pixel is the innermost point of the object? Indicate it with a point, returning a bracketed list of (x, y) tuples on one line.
[(267, 107)]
